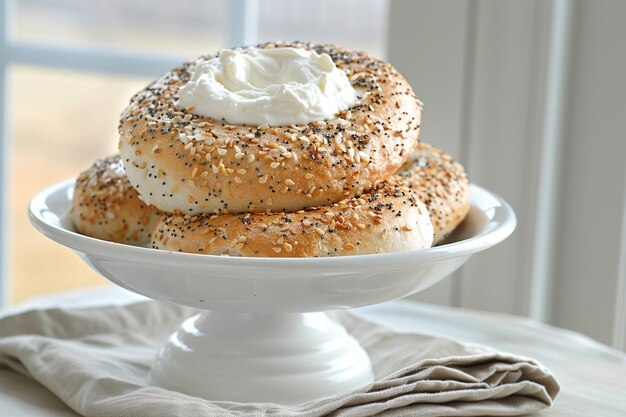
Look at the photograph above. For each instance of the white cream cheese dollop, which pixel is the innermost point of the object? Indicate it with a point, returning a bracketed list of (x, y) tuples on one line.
[(275, 87)]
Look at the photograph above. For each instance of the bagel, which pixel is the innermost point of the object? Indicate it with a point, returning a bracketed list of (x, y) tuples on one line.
[(441, 184), (389, 218), (190, 164), (105, 205)]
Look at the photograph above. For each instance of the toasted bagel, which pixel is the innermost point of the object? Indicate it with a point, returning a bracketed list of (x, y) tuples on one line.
[(189, 164), (387, 219), (106, 206), (441, 184)]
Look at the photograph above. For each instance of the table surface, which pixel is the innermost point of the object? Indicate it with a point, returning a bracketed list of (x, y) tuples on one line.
[(592, 375)]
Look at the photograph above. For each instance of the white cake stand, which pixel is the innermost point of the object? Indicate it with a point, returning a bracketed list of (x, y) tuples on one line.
[(264, 336)]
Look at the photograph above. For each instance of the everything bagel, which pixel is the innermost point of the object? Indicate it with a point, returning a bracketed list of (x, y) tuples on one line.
[(106, 206), (441, 184), (389, 218), (184, 163)]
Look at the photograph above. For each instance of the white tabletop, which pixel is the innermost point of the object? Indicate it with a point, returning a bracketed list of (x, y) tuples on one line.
[(592, 375)]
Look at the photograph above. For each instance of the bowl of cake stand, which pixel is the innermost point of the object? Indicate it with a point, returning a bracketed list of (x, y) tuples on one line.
[(262, 334)]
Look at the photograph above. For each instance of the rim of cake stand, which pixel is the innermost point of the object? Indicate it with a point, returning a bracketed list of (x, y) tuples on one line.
[(501, 222)]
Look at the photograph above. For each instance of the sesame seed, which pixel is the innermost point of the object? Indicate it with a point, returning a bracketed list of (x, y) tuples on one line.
[(239, 155), (290, 183), (275, 165), (277, 249), (221, 151), (238, 180), (250, 158)]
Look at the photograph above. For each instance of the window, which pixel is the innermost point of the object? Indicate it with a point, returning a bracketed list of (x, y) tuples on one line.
[(62, 121), (70, 67)]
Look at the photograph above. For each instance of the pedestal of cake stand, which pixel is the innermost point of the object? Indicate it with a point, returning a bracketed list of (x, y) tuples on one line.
[(266, 338), (277, 358)]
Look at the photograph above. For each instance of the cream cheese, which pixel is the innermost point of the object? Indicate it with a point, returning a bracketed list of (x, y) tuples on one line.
[(275, 87)]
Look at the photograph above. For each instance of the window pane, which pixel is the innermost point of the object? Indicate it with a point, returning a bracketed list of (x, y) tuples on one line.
[(356, 24), (184, 27), (62, 122)]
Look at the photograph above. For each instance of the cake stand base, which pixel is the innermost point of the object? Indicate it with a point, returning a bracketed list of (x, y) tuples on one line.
[(277, 358)]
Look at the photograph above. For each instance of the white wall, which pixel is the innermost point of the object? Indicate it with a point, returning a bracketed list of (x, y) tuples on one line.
[(528, 95), (589, 239)]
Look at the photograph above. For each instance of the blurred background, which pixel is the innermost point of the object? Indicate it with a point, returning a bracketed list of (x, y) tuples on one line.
[(529, 95)]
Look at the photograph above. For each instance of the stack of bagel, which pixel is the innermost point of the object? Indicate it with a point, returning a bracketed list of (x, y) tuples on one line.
[(358, 183)]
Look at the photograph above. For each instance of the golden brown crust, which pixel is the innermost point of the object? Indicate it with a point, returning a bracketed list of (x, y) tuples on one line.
[(386, 219), (182, 162), (441, 184), (106, 206)]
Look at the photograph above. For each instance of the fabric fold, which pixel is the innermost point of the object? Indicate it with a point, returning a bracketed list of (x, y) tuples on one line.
[(96, 360)]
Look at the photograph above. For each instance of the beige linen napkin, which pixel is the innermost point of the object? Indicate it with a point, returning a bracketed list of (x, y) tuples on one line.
[(97, 360)]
